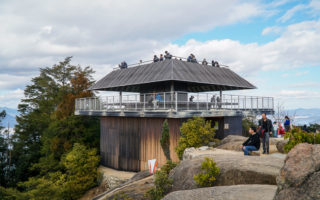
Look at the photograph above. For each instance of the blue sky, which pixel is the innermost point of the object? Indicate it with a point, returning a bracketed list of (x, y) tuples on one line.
[(273, 44)]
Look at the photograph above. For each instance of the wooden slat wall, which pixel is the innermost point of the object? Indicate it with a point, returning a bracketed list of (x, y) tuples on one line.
[(128, 143)]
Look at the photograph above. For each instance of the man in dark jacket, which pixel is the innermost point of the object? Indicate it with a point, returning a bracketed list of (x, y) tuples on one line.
[(252, 143), (265, 130)]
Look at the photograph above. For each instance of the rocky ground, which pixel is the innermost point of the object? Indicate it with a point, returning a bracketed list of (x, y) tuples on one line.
[(111, 178), (299, 178), (235, 192), (235, 168), (276, 176)]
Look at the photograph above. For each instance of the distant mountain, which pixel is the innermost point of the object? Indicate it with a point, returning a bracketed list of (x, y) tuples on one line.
[(10, 117), (305, 116)]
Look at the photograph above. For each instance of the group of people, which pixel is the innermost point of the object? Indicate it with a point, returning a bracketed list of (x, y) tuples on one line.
[(214, 101), (191, 58), (123, 65), (264, 132), (166, 56), (265, 129)]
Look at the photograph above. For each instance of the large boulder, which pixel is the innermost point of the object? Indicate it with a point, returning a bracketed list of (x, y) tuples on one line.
[(235, 168), (236, 192), (233, 142), (134, 188), (299, 178), (280, 145)]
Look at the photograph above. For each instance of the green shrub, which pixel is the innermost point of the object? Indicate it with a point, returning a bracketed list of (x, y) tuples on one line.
[(165, 139), (11, 194), (80, 174), (246, 125), (297, 136), (208, 175), (162, 182), (122, 196), (195, 132)]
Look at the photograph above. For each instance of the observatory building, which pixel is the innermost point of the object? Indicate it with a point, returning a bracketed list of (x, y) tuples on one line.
[(173, 89)]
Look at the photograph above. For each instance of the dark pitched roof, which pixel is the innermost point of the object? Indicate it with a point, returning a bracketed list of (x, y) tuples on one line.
[(190, 77)]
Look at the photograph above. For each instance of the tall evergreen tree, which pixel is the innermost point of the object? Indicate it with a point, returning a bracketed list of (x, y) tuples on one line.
[(47, 127)]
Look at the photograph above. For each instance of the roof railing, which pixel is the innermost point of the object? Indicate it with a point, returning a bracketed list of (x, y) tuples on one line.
[(173, 57)]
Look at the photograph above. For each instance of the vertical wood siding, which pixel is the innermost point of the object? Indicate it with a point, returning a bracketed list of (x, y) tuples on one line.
[(128, 143)]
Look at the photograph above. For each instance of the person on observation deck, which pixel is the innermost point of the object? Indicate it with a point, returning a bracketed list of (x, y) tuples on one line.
[(123, 65), (167, 55), (161, 57), (155, 58), (204, 62)]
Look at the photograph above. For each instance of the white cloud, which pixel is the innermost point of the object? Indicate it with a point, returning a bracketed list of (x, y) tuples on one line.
[(11, 98), (302, 73), (307, 85), (105, 31), (290, 13), (298, 94), (273, 30), (296, 47)]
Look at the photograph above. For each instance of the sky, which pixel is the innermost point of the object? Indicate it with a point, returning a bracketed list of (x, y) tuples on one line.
[(273, 44)]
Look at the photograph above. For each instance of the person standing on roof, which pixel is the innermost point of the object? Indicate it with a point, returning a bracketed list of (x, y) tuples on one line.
[(155, 58), (123, 65), (193, 60), (167, 55), (212, 63), (216, 64), (161, 57), (189, 59), (204, 62)]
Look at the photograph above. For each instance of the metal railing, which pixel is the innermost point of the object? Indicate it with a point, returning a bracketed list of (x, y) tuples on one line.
[(176, 101)]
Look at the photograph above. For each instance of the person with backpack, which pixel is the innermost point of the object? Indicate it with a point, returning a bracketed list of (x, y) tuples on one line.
[(265, 130), (252, 143)]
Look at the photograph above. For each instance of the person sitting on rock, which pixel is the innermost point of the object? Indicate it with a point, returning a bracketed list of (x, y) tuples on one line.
[(252, 143)]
